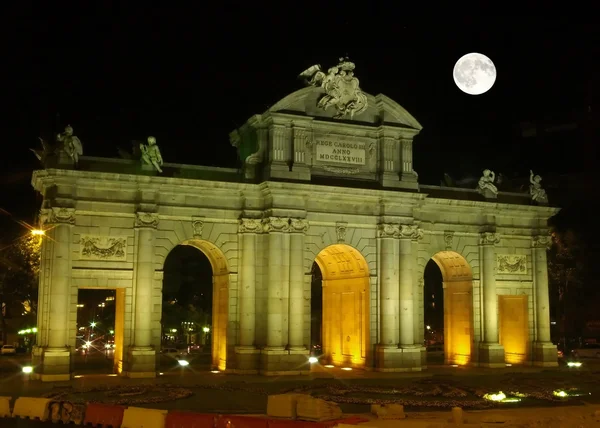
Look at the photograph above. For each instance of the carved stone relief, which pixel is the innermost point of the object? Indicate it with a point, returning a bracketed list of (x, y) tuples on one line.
[(489, 238), (410, 231), (387, 230), (197, 227), (57, 215), (146, 220), (511, 264), (250, 225), (340, 231), (298, 225), (541, 241), (448, 240), (276, 224), (105, 248)]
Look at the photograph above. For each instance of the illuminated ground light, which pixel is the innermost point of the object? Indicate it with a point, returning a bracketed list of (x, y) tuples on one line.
[(160, 374), (454, 365), (215, 371), (573, 364), (347, 368), (329, 366), (501, 397), (560, 393), (313, 360), (508, 365), (183, 363), (27, 369)]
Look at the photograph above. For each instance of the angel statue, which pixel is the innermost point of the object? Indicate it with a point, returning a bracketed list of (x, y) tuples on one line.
[(538, 194), (70, 144), (151, 154), (486, 182)]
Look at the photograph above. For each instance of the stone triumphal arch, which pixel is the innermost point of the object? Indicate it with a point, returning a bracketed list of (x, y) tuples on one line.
[(327, 177)]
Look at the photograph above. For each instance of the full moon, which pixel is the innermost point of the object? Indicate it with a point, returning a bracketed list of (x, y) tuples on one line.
[(474, 74)]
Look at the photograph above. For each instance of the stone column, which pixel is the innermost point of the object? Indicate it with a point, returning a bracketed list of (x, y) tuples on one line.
[(275, 227), (491, 352), (389, 250), (298, 227), (56, 359), (544, 350), (411, 354), (248, 229), (142, 355)]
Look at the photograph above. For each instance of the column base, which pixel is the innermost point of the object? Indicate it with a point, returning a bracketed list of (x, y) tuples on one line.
[(247, 360), (545, 354), (52, 364), (491, 355), (282, 362), (398, 359), (141, 362)]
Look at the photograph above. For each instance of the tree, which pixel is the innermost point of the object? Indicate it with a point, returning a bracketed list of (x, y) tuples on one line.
[(19, 272)]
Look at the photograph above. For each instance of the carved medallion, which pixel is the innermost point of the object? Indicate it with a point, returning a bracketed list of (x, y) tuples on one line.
[(340, 231), (103, 248), (511, 264), (250, 225), (149, 220), (197, 227), (448, 240)]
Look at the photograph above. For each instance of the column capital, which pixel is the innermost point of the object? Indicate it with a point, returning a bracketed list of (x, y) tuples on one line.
[(146, 220), (57, 215), (541, 241), (410, 231), (388, 230), (299, 225), (250, 225), (489, 238), (276, 224)]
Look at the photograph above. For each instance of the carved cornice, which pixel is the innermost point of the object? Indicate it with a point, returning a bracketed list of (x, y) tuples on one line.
[(388, 230), (276, 224), (489, 238), (410, 231), (146, 220), (57, 215), (250, 225), (298, 225), (541, 241)]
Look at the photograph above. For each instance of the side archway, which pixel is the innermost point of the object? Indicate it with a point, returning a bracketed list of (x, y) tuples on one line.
[(220, 298), (457, 282), (345, 291)]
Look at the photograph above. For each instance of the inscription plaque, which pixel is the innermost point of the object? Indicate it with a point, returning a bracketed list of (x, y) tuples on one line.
[(340, 152)]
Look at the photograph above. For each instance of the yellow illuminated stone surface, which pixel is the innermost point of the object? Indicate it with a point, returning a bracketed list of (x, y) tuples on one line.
[(345, 305), (220, 299), (458, 306), (514, 322)]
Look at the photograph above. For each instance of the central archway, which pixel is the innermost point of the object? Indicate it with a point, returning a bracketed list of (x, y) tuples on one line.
[(220, 300), (345, 289), (457, 282)]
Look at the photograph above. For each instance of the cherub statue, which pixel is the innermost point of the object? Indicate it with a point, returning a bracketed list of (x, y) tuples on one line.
[(486, 182), (151, 154), (538, 194), (70, 144)]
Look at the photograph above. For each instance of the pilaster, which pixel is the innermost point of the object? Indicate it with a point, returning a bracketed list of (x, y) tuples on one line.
[(301, 166), (247, 356), (142, 355), (408, 176), (491, 353), (545, 353), (280, 159), (55, 354)]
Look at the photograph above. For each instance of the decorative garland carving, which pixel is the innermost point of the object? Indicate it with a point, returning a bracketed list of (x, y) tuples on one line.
[(57, 215), (298, 225), (511, 264), (250, 225), (276, 224), (541, 241), (103, 248), (489, 238), (149, 220)]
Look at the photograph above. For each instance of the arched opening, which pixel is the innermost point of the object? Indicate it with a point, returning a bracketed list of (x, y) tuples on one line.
[(195, 305), (448, 292), (345, 305)]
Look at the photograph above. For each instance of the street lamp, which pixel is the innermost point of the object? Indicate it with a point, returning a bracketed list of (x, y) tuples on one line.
[(92, 324), (38, 232), (206, 329)]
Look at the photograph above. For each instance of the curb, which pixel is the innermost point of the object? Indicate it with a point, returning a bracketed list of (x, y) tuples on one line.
[(118, 416)]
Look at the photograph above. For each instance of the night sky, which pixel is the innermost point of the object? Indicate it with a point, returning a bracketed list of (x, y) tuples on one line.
[(120, 73)]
